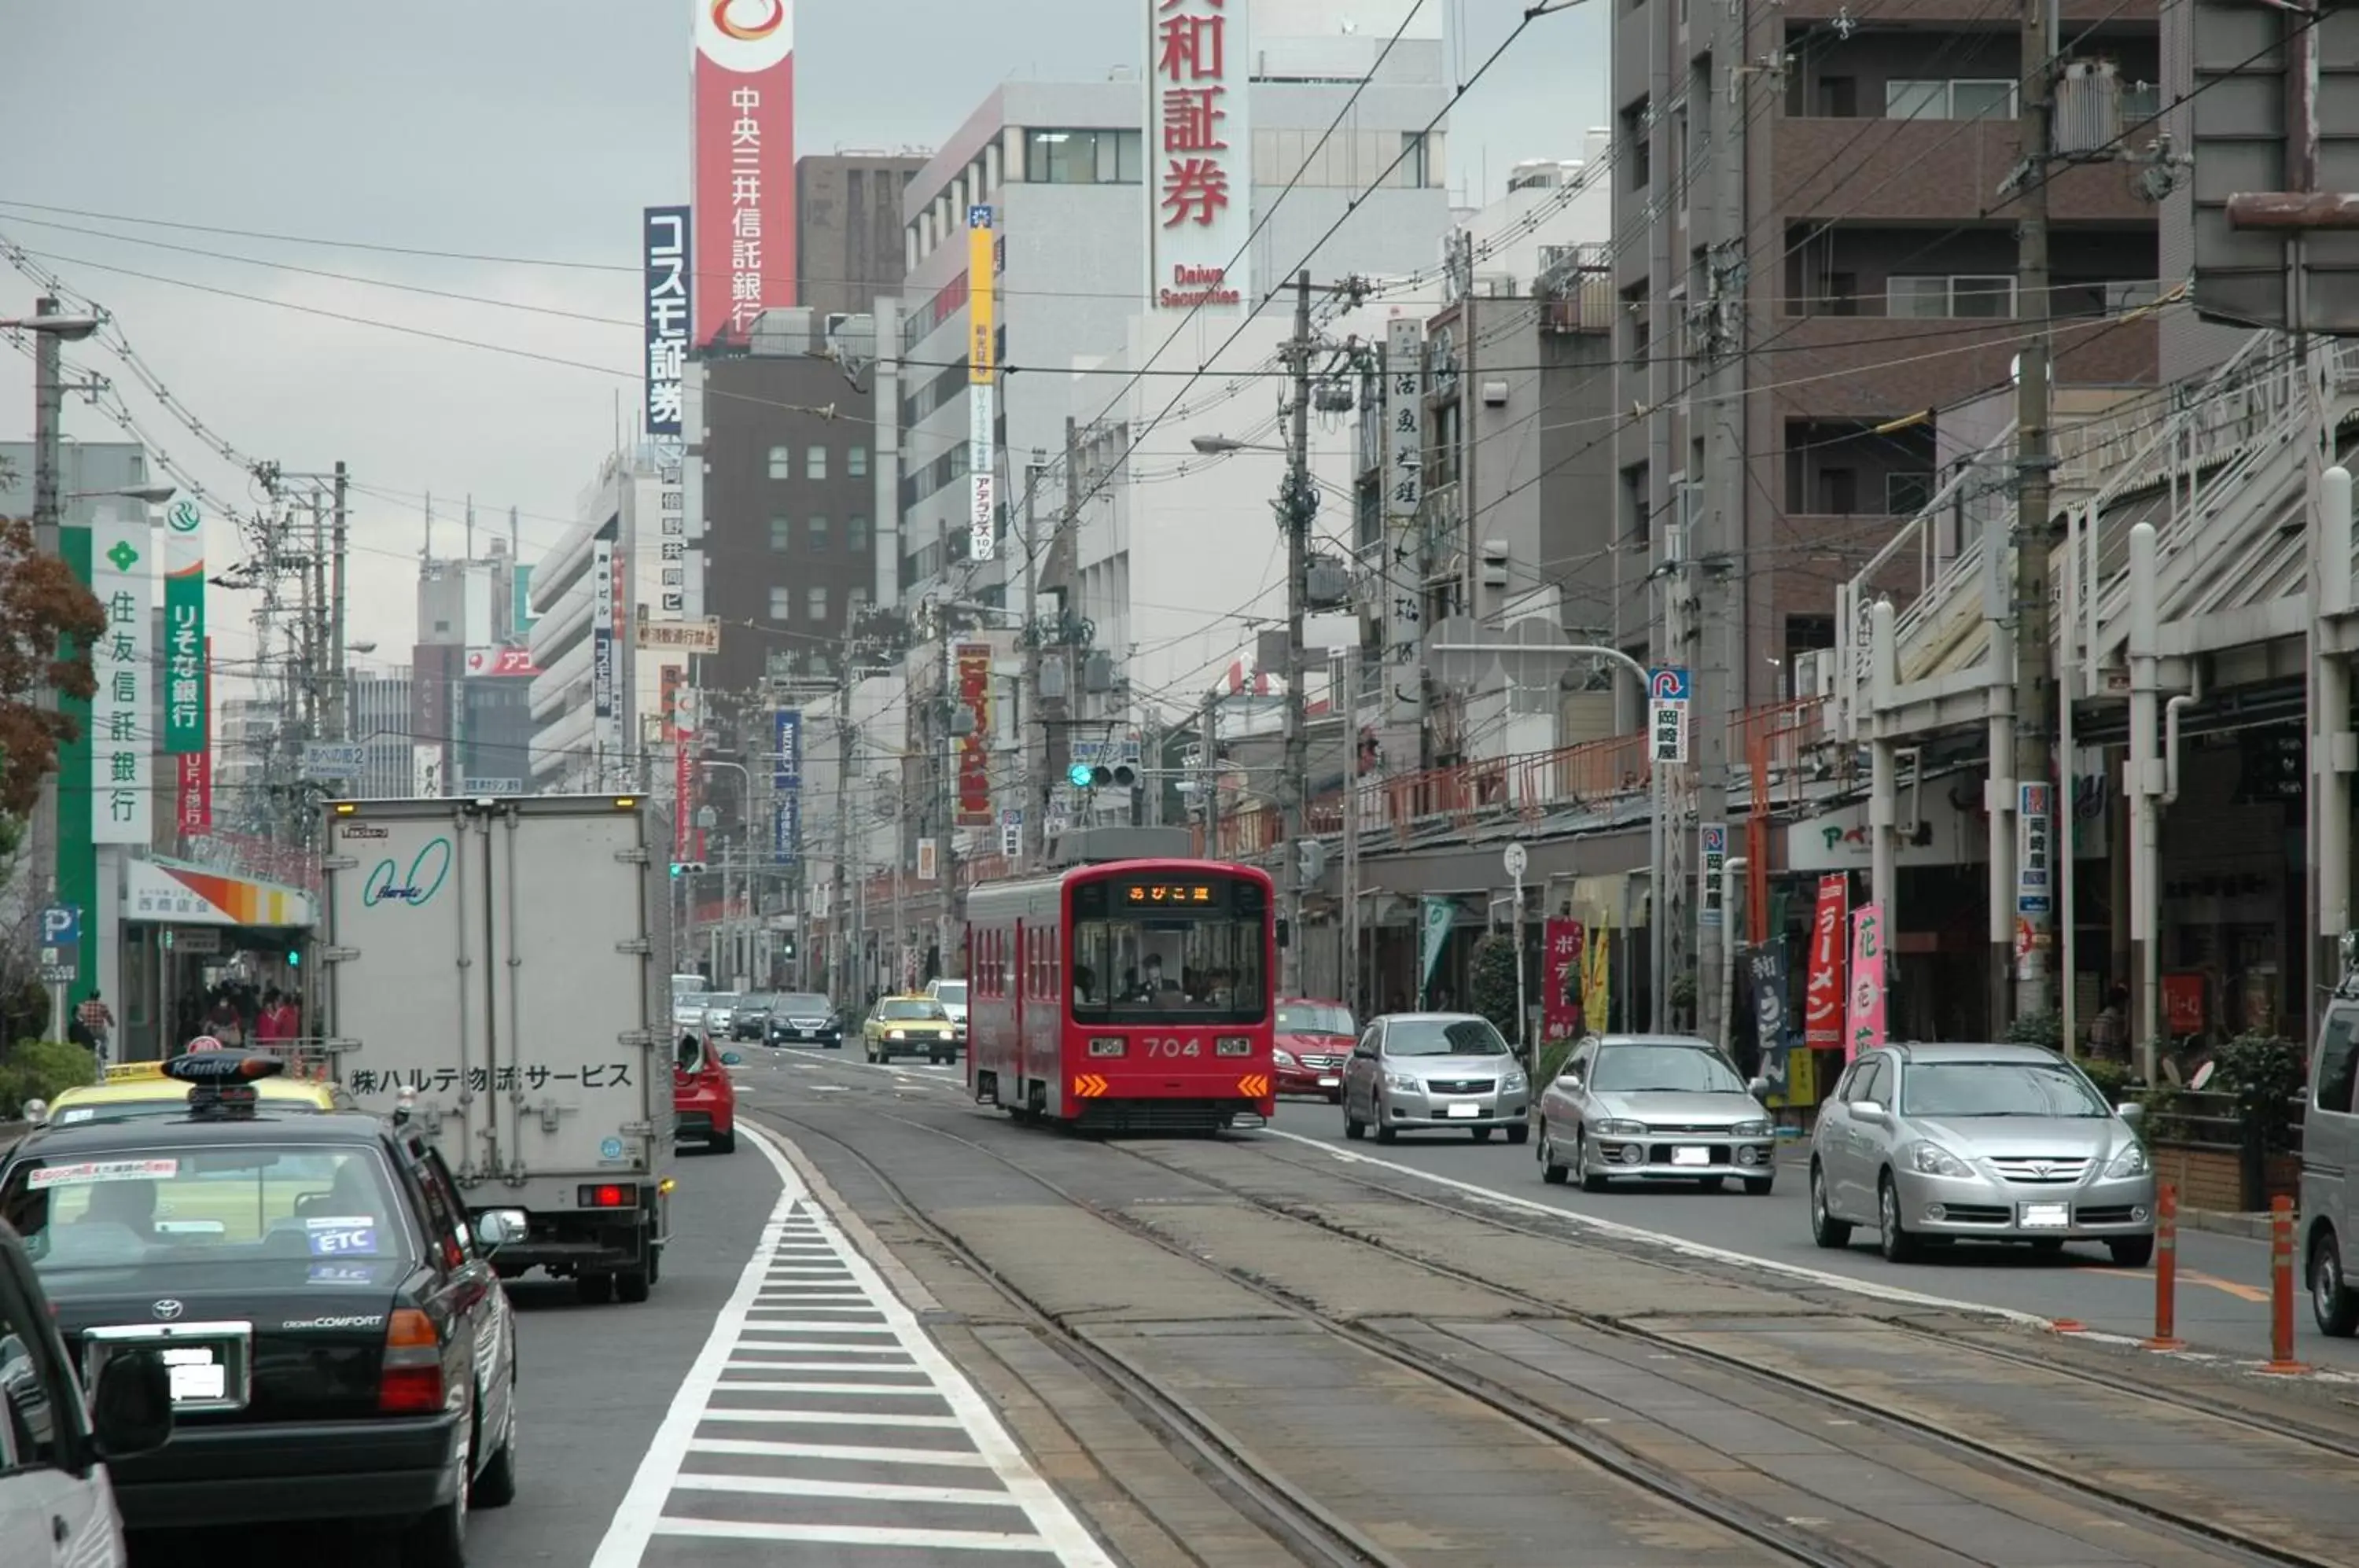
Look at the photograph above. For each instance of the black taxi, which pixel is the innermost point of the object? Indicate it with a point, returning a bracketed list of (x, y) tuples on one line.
[(337, 1341)]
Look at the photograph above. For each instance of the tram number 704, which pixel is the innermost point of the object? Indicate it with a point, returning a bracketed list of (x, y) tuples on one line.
[(1170, 1046)]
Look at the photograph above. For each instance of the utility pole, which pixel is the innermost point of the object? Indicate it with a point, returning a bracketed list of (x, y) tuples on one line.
[(1208, 771), (2035, 683), (840, 904), (340, 548), (1035, 783), (1351, 828), (1294, 512)]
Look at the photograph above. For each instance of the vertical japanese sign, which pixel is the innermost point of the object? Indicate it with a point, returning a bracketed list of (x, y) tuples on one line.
[(680, 717), (1822, 998), (1566, 973), (196, 781), (184, 629), (1199, 146), (743, 193), (1597, 978), (671, 506), (1435, 918), (1864, 1025), (1403, 562), (1790, 1073), (786, 784), (982, 398), (123, 738), (974, 668), (1712, 874), (1666, 714), (664, 236), (2034, 890), (982, 294), (601, 638)]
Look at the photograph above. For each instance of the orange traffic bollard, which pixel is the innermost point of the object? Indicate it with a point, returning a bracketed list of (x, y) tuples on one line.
[(2166, 1272), (2281, 1288)]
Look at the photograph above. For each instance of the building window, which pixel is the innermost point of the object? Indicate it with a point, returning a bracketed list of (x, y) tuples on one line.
[(1637, 129), (855, 606), (855, 535), (1084, 157), (855, 462), (1965, 99), (815, 536), (815, 463), (782, 604), (1414, 172), (815, 603), (782, 464), (782, 533), (1989, 297)]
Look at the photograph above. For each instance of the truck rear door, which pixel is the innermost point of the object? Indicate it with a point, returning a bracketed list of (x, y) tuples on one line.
[(408, 983), (578, 1086)]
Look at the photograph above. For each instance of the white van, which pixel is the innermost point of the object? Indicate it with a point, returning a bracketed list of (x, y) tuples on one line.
[(56, 1503), (2330, 1148)]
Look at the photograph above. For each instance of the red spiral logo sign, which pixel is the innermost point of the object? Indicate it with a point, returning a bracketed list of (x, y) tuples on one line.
[(762, 29)]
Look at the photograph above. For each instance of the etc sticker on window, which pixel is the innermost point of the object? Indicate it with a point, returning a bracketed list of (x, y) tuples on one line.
[(340, 1235), (91, 1170)]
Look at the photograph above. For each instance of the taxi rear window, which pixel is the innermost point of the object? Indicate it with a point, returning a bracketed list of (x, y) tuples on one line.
[(168, 1206)]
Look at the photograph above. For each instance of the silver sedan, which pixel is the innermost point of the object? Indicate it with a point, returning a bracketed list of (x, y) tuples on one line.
[(1655, 1107), (1979, 1143), (1426, 1072)]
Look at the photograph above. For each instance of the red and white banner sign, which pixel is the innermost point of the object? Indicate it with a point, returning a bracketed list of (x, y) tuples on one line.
[(1564, 946), (501, 661), (1864, 1027), (1823, 1000), (743, 200), (975, 750), (1199, 147)]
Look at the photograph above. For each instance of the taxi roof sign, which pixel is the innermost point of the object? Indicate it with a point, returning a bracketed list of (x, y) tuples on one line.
[(214, 1067)]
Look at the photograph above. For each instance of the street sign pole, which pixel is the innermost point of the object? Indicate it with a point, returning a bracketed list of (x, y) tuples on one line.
[(1517, 860)]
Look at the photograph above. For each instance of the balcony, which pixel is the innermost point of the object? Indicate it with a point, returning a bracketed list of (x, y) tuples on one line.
[(1924, 171), (1836, 365)]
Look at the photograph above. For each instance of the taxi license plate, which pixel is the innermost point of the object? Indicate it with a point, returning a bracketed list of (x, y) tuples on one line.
[(2046, 1216), (1690, 1156), (1463, 1110)]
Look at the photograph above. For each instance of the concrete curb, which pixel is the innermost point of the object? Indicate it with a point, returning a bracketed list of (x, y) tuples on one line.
[(2224, 1221)]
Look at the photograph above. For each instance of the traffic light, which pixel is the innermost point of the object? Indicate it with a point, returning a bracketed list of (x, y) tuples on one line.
[(686, 868), (1079, 775), (1119, 776)]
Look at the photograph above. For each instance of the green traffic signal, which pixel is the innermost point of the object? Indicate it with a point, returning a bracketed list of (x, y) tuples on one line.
[(1078, 776)]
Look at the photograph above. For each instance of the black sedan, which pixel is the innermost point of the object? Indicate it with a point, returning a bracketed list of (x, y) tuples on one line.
[(804, 1018), (750, 1018), (337, 1341)]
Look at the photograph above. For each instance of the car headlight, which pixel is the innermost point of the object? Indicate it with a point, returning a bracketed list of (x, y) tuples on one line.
[(2130, 1161), (1616, 1127), (1283, 1057), (1932, 1159), (1753, 1129), (1406, 1083), (897, 1034), (1514, 1083)]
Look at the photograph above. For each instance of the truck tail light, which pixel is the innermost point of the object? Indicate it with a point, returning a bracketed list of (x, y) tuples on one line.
[(607, 1195), (410, 1383)]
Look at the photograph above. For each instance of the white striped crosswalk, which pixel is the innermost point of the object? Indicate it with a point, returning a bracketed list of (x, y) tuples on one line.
[(822, 1425)]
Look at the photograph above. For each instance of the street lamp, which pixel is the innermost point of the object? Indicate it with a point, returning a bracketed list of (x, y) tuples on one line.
[(1220, 446), (152, 494)]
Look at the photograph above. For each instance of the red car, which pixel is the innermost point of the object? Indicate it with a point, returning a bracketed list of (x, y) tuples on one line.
[(1313, 1039), (702, 1097)]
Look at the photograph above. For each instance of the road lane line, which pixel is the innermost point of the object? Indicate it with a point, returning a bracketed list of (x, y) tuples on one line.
[(852, 1453), (824, 1417), (854, 1535), (2192, 1277), (867, 1491)]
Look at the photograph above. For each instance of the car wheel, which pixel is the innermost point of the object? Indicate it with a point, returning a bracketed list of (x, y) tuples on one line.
[(632, 1288), (1386, 1131), (439, 1540), (593, 1289), (1552, 1170), (1759, 1186), (1482, 1134), (495, 1483), (1825, 1229), (1892, 1238), (2333, 1303), (2132, 1251), (1590, 1181), (1520, 1133), (1353, 1127), (723, 1143)]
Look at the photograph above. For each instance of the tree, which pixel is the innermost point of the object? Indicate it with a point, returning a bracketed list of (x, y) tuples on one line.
[(1490, 979), (48, 623)]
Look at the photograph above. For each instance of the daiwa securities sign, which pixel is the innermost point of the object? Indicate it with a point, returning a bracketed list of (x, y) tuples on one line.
[(664, 248), (1199, 152), (744, 194)]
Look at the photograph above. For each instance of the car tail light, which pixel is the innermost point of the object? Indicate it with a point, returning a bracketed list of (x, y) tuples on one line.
[(1233, 1045), (1105, 1045), (608, 1195), (411, 1381)]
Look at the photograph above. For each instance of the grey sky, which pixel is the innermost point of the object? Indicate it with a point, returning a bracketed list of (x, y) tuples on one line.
[(531, 129)]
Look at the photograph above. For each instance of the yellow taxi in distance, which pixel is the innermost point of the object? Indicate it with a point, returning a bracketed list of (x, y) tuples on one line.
[(141, 1089), (910, 1025)]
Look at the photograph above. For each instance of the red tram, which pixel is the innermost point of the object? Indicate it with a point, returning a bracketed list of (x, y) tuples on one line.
[(1128, 994)]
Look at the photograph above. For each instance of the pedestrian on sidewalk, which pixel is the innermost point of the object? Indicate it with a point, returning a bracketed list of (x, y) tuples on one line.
[(98, 1019), (2109, 1031)]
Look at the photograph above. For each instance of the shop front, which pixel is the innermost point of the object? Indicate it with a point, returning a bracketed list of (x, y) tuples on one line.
[(192, 936)]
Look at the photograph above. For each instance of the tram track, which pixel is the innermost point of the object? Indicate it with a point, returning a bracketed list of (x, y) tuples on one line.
[(1787, 1537)]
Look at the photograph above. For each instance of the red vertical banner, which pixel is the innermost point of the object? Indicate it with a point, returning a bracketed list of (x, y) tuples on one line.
[(974, 668), (743, 199), (1563, 944), (1824, 997)]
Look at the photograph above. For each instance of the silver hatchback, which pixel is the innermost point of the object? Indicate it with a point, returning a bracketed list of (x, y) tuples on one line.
[(1979, 1143), (1425, 1071)]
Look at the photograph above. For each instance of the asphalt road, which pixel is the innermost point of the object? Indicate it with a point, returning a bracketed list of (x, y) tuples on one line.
[(2223, 1300), (596, 1383)]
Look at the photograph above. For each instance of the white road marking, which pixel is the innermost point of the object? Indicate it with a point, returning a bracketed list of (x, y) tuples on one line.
[(776, 1313), (1685, 1247)]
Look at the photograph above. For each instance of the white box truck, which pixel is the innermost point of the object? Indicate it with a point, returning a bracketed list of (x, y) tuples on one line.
[(494, 972)]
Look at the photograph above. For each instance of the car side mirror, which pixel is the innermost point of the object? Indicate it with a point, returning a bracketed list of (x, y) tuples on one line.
[(35, 1112), (1758, 1088), (2134, 1114), (1869, 1111), (1568, 1078), (495, 1228), (1285, 932), (131, 1408), (731, 1058)]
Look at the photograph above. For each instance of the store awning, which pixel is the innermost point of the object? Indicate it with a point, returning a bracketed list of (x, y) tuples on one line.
[(178, 892)]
